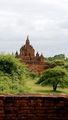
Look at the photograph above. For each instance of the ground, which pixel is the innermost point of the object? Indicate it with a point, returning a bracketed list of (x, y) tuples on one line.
[(38, 89)]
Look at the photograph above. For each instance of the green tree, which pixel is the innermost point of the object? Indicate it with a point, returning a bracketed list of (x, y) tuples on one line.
[(11, 66), (12, 74), (55, 63), (60, 57), (57, 57), (55, 77)]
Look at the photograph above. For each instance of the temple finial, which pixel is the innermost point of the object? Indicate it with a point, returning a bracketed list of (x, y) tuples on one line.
[(27, 40)]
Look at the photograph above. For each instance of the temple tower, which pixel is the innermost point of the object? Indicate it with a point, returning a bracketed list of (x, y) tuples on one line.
[(27, 55)]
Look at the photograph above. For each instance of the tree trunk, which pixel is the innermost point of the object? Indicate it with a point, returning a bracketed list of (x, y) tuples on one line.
[(54, 87)]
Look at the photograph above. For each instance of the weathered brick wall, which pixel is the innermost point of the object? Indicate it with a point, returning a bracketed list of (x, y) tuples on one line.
[(28, 107)]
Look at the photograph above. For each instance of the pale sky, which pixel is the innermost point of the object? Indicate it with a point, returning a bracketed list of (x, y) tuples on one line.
[(45, 21)]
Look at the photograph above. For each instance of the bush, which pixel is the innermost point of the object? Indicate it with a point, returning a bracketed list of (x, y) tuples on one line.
[(12, 74)]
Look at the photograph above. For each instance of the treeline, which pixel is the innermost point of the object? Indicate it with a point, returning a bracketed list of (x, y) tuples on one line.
[(57, 60), (60, 56)]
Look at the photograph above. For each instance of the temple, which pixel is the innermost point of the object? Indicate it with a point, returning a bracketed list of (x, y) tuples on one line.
[(34, 62)]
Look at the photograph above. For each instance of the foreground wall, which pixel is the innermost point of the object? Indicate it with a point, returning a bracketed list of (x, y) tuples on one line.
[(28, 107)]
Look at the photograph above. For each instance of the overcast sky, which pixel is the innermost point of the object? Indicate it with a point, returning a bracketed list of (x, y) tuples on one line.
[(45, 21)]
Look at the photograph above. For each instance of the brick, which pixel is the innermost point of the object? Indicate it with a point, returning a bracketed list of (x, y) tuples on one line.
[(33, 107)]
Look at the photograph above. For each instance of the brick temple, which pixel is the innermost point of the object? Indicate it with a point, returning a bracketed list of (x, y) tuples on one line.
[(35, 62)]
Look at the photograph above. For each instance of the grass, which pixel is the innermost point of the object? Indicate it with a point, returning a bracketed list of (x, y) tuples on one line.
[(38, 89), (29, 87)]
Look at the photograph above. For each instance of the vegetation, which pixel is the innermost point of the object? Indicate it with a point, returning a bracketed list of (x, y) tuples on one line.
[(57, 57), (16, 79), (39, 89), (12, 75), (55, 77)]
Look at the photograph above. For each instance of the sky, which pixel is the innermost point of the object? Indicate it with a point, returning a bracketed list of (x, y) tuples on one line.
[(45, 21)]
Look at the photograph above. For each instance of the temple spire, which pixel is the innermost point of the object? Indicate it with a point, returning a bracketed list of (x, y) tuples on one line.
[(27, 41)]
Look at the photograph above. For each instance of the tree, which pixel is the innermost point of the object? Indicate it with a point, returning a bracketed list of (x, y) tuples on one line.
[(55, 63), (60, 57), (11, 65), (54, 77), (57, 57), (12, 75)]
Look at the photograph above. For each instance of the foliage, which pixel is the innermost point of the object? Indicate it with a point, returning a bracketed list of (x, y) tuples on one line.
[(54, 77), (57, 57), (55, 63), (16, 79), (60, 56), (12, 74), (11, 66), (33, 75)]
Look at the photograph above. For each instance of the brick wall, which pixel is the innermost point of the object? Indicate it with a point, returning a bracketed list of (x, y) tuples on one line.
[(33, 107)]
